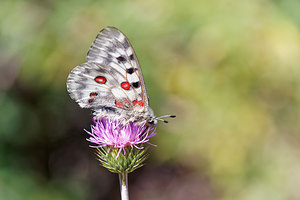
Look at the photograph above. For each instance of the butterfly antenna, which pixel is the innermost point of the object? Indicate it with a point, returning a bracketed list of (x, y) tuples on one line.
[(165, 121), (162, 120), (172, 116)]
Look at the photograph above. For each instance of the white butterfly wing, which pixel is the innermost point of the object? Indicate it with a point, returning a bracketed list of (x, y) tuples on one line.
[(112, 48), (111, 77)]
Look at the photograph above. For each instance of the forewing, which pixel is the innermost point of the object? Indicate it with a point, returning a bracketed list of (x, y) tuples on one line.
[(112, 48)]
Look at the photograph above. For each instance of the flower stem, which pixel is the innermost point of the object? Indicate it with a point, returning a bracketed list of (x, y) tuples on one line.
[(123, 178)]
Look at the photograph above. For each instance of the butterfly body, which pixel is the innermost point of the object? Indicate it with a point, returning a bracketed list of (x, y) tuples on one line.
[(111, 81)]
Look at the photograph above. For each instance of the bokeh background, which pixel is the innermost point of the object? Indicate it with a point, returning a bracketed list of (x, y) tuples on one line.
[(228, 69)]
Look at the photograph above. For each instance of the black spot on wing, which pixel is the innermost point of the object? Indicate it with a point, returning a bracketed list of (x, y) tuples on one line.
[(136, 84), (121, 58), (130, 70), (131, 57)]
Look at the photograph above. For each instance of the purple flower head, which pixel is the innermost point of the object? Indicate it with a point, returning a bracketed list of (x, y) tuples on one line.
[(112, 133)]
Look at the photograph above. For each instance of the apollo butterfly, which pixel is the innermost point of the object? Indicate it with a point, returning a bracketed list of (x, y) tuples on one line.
[(110, 82)]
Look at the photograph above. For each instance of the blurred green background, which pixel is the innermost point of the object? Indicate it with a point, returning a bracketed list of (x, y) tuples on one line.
[(228, 69)]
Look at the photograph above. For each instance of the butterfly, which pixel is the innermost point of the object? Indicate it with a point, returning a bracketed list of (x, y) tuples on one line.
[(111, 82)]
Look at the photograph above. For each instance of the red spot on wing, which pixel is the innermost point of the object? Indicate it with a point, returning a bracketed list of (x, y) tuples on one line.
[(91, 100), (125, 85), (119, 104), (134, 102), (93, 94), (100, 79), (140, 103), (123, 103)]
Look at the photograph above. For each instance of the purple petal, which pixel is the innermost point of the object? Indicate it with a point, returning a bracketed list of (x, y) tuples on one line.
[(106, 132)]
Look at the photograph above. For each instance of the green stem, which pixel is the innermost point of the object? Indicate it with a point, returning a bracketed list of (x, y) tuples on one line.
[(123, 178)]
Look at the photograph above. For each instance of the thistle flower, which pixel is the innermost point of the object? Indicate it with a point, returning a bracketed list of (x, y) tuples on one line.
[(111, 138), (111, 133)]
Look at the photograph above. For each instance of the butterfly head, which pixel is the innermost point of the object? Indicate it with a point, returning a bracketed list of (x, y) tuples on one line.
[(152, 121), (151, 117)]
